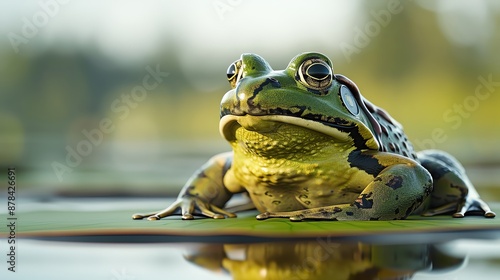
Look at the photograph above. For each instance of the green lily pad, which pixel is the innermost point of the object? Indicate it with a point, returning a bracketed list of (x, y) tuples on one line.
[(118, 226)]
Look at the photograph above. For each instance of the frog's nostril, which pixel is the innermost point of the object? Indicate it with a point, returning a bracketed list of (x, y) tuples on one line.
[(275, 83)]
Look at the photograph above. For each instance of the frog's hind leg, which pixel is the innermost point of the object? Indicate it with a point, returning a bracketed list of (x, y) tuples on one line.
[(453, 192)]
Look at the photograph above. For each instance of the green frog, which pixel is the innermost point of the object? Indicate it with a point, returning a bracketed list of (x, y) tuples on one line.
[(307, 145)]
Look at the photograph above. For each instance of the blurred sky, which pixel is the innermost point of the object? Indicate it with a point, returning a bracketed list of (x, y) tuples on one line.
[(65, 67)]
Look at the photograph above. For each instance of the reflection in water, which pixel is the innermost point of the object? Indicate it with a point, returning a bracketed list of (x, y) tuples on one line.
[(323, 259)]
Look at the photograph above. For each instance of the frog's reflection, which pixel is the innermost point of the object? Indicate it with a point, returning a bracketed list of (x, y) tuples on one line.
[(322, 259)]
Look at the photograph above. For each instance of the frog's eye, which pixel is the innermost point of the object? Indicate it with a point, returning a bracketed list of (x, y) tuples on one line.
[(315, 74), (349, 100), (234, 73)]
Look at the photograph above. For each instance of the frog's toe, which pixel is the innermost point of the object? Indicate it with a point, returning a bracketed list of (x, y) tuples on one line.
[(484, 206), (458, 215), (490, 214), (154, 218), (138, 216), (263, 216), (297, 218), (187, 216)]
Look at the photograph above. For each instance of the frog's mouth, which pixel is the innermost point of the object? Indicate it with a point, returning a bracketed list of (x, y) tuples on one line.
[(359, 134)]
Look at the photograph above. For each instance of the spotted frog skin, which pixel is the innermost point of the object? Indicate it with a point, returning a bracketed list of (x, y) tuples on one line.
[(307, 145)]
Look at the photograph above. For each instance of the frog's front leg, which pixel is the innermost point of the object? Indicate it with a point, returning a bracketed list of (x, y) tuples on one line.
[(453, 192), (205, 191), (396, 191)]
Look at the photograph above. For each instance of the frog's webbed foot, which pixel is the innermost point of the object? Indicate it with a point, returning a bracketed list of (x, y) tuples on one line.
[(187, 205), (469, 205), (472, 204)]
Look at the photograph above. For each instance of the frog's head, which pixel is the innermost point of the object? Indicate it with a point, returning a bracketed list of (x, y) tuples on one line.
[(307, 96)]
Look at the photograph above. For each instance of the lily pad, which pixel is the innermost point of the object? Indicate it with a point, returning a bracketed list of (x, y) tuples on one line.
[(118, 226)]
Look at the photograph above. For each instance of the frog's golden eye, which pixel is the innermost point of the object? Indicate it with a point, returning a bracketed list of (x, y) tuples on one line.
[(349, 100), (234, 73), (315, 74)]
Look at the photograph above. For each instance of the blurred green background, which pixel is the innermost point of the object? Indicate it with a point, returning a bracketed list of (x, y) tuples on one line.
[(69, 71)]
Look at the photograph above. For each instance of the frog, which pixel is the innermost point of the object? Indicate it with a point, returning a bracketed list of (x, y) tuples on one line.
[(306, 145)]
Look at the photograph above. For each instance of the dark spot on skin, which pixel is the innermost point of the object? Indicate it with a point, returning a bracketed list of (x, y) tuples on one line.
[(302, 196), (349, 213), (392, 147), (307, 202), (397, 197), (276, 202), (384, 130), (306, 189), (324, 212), (397, 211), (268, 194), (363, 202), (395, 182), (463, 190), (367, 163)]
